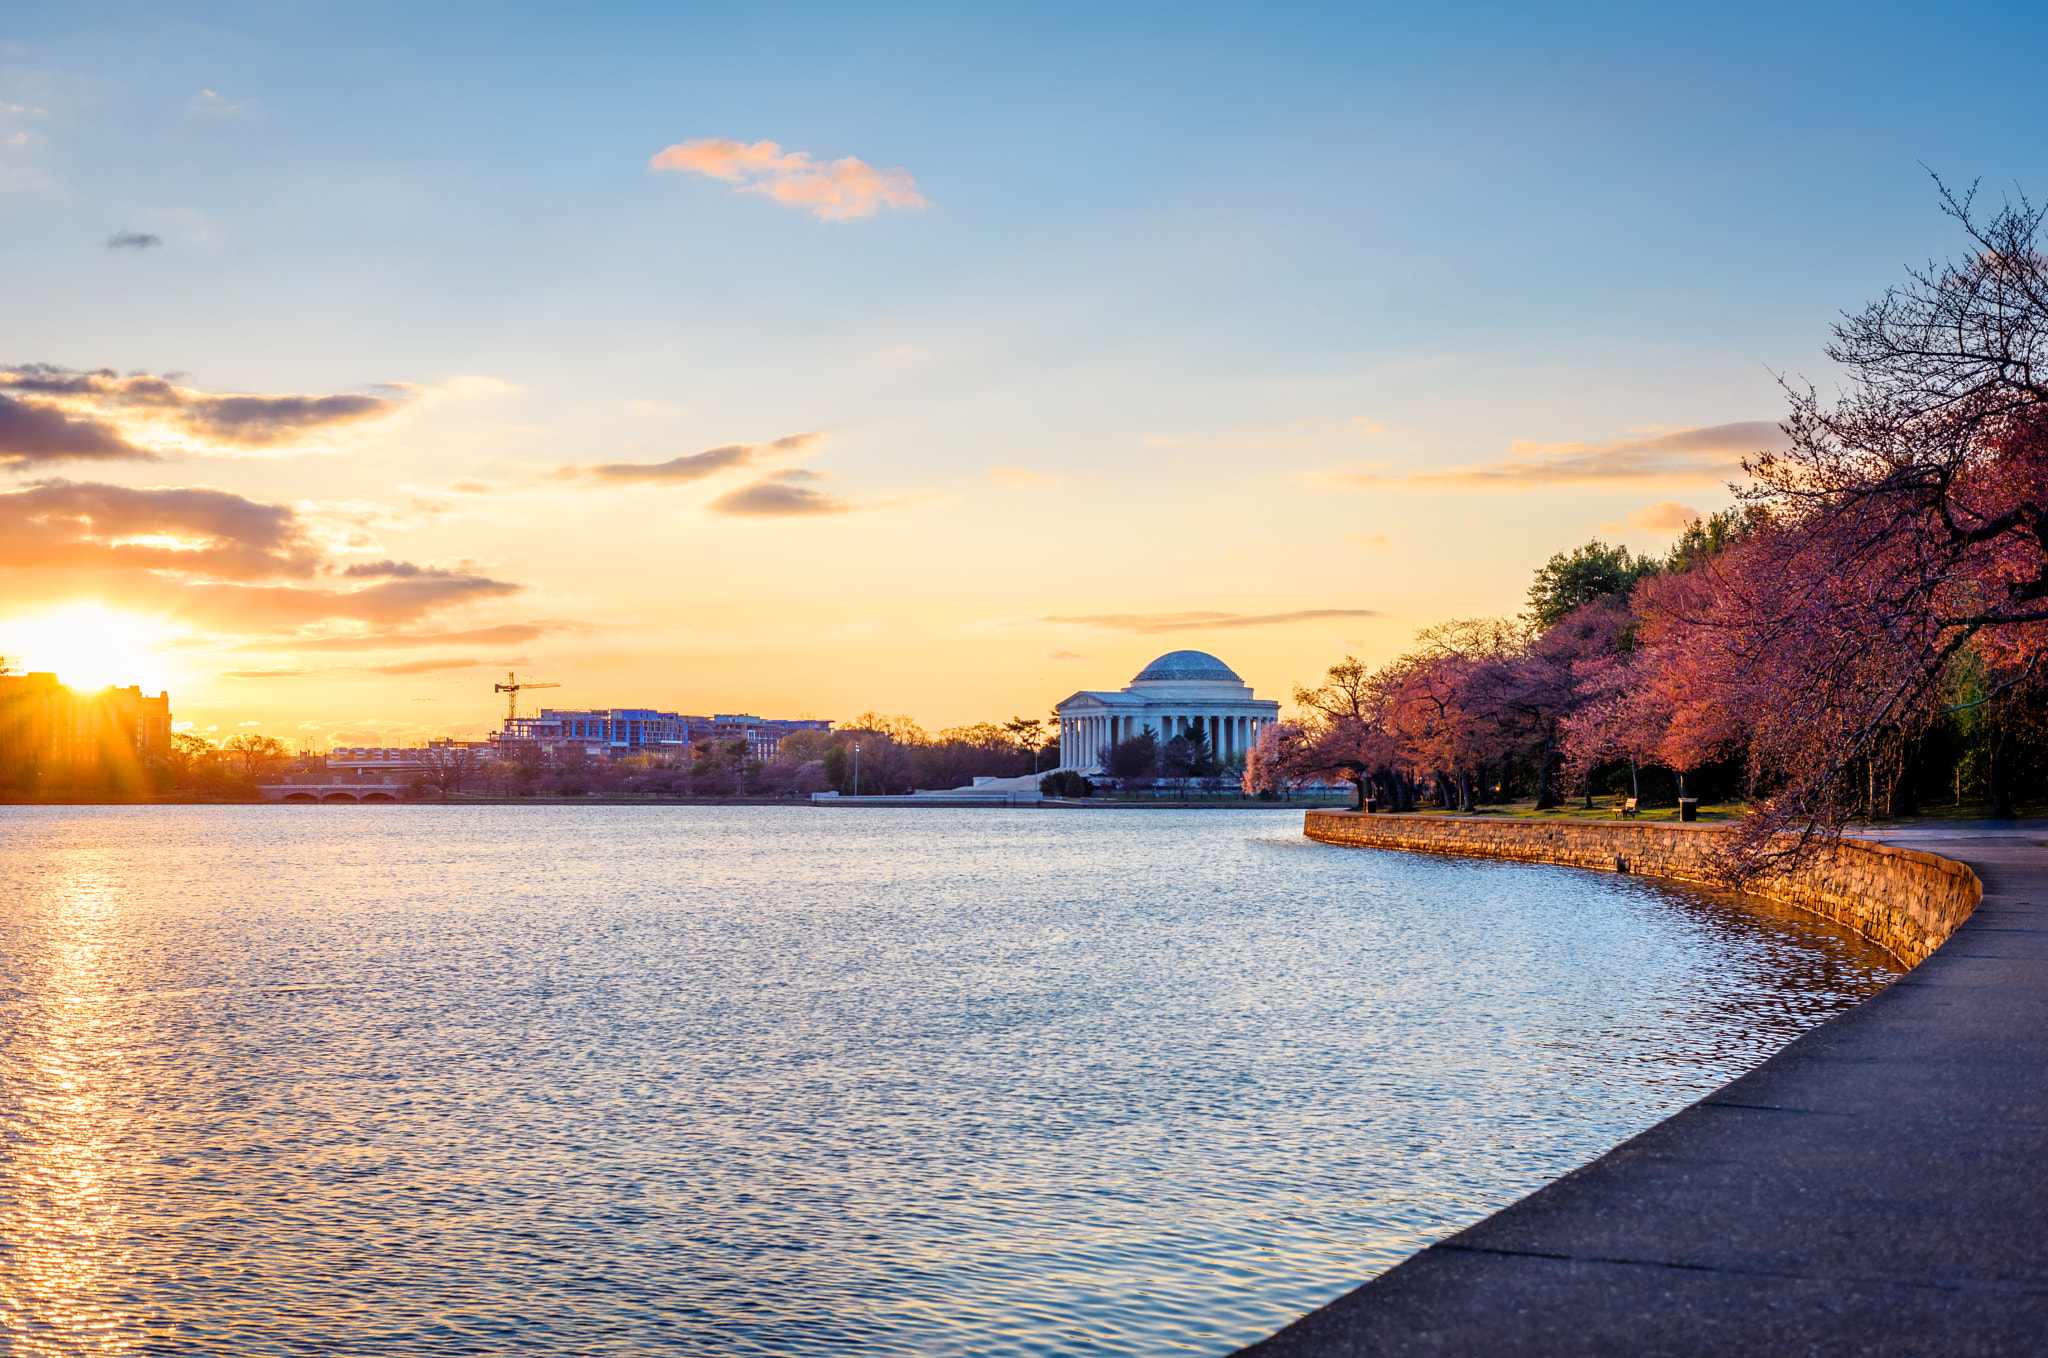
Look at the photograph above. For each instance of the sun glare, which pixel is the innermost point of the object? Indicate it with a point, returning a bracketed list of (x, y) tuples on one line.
[(88, 646)]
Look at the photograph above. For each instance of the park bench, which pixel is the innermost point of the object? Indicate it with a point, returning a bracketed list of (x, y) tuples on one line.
[(1628, 807)]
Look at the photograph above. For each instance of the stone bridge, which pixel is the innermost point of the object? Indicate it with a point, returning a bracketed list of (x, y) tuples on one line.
[(336, 790)]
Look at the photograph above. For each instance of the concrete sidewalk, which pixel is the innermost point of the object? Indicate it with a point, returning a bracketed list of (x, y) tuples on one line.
[(1878, 1187)]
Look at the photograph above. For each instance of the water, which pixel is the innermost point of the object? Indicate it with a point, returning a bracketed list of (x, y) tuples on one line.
[(585, 1080)]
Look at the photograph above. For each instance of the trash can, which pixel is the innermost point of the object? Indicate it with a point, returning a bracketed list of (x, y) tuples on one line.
[(1688, 808)]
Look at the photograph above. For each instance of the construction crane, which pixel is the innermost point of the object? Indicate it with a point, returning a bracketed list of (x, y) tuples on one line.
[(510, 688)]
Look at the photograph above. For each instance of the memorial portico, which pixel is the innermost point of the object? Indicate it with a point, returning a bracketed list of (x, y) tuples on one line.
[(1178, 692)]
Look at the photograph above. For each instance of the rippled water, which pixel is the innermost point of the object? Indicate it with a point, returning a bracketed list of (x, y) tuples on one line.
[(752, 1080)]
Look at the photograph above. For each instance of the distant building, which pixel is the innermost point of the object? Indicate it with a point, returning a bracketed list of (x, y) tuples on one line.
[(603, 731), (375, 759), (764, 736), (48, 731), (1176, 692), (619, 731)]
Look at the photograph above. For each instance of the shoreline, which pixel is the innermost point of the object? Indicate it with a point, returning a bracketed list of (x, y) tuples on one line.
[(1906, 901), (1873, 1188)]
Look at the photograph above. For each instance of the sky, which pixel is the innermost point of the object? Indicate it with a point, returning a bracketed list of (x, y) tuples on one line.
[(939, 360)]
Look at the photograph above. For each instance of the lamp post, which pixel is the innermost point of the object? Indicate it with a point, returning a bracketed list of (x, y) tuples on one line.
[(856, 768)]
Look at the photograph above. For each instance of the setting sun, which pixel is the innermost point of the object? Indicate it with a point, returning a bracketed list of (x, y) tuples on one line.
[(88, 646)]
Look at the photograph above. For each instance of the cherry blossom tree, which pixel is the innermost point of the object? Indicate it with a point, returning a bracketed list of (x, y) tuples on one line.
[(1904, 528)]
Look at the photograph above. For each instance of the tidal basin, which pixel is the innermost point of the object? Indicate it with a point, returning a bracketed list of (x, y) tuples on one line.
[(750, 1080)]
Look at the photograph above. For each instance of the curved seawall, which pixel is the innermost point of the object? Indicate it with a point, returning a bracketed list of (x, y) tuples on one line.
[(1874, 1188), (1905, 901)]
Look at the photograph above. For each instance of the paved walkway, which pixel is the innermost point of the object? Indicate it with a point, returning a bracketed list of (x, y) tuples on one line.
[(1878, 1187)]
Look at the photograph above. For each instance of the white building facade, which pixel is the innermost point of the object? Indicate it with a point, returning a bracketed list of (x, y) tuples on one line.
[(1177, 692)]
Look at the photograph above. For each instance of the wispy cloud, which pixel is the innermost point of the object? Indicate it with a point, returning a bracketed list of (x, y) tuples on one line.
[(1707, 453), (398, 570), (1372, 542), (678, 471), (233, 608), (208, 104), (1153, 623), (21, 141), (778, 499), (49, 413), (1060, 654), (1666, 516), (424, 666), (506, 635), (836, 191), (133, 240), (1018, 476)]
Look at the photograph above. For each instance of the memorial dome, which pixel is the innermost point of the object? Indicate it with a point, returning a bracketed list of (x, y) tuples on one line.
[(1186, 667)]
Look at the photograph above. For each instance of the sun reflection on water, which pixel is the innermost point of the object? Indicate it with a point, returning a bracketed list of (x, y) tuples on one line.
[(64, 1128)]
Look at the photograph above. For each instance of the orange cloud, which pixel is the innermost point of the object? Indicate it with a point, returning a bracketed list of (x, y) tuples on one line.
[(1708, 453), (778, 499), (424, 666), (838, 191), (187, 529), (392, 641), (204, 554), (1666, 516), (689, 467), (1153, 623)]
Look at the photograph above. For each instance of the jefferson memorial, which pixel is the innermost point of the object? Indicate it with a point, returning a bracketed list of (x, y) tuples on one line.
[(1176, 692)]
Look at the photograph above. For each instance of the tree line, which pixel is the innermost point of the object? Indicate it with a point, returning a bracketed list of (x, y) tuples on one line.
[(894, 755), (1861, 636)]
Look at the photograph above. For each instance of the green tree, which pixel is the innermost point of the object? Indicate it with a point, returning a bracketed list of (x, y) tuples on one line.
[(1594, 571), (1706, 538)]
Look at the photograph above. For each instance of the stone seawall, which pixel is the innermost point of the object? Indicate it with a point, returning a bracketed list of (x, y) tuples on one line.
[(1905, 901)]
